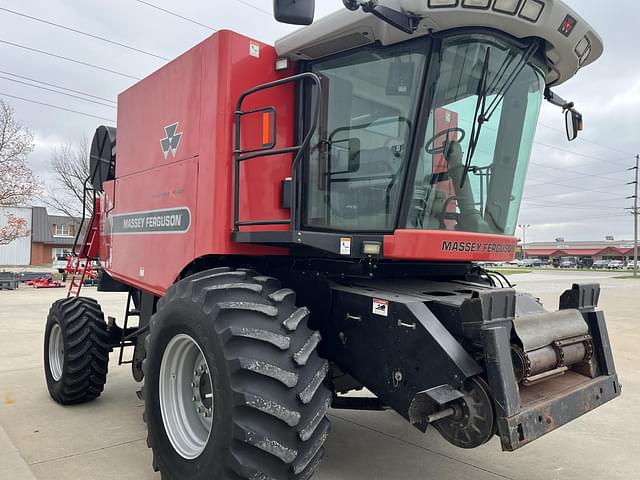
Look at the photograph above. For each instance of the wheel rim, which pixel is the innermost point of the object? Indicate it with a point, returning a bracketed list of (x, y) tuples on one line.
[(186, 396), (56, 352)]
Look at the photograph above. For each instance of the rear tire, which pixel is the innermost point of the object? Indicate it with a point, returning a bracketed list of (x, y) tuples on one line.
[(244, 344), (76, 351)]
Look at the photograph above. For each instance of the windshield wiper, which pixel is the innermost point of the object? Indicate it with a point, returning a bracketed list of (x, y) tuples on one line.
[(478, 117), (483, 113)]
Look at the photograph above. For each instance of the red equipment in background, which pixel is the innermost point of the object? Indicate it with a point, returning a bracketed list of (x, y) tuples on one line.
[(45, 282)]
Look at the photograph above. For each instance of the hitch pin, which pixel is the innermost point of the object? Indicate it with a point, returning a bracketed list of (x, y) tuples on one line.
[(434, 417), (411, 326)]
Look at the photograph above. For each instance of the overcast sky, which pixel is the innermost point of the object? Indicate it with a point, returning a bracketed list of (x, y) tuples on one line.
[(576, 191)]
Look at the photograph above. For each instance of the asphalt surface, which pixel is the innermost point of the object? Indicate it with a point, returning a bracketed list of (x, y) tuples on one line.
[(106, 439)]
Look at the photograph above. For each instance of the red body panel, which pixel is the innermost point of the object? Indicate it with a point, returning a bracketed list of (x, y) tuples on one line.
[(448, 246), (198, 91)]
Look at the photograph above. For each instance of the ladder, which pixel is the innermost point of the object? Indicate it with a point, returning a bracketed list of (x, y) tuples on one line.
[(129, 335), (79, 268), (79, 264)]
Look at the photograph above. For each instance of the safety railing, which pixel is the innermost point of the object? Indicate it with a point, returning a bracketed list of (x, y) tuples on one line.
[(270, 150)]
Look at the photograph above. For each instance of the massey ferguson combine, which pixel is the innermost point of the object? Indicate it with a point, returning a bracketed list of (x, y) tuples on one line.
[(296, 222)]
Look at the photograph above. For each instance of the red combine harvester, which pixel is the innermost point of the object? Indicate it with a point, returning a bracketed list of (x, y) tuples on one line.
[(296, 222)]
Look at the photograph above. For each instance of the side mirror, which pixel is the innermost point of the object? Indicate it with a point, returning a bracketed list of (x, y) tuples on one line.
[(573, 124), (294, 12)]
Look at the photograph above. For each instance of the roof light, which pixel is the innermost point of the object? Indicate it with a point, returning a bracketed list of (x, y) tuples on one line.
[(476, 3), (567, 25), (442, 3), (282, 64), (507, 6), (585, 56), (532, 10), (582, 47)]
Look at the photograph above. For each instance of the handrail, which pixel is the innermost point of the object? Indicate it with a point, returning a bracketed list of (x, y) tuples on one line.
[(298, 149), (86, 189)]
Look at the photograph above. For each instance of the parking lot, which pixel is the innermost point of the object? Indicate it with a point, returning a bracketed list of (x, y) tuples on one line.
[(106, 439)]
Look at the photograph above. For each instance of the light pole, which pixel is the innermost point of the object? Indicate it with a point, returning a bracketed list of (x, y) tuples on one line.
[(635, 216), (524, 240)]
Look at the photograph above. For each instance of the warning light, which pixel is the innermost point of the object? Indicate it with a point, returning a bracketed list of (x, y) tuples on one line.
[(568, 25)]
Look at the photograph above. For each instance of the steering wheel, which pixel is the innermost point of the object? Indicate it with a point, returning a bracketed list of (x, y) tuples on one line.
[(430, 147)]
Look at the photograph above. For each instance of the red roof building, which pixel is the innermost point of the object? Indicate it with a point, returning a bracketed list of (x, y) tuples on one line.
[(614, 250)]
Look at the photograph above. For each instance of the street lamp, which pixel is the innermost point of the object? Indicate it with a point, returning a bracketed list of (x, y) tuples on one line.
[(524, 239)]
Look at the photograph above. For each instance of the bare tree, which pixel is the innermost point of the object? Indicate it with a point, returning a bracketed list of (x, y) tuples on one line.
[(70, 166), (17, 182)]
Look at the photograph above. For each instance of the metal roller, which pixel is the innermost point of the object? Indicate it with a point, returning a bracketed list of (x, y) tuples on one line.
[(555, 359)]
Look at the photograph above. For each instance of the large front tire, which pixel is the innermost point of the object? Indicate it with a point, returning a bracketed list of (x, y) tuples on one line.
[(76, 350), (234, 386)]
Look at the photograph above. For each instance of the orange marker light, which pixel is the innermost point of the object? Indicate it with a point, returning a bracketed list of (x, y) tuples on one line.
[(266, 128)]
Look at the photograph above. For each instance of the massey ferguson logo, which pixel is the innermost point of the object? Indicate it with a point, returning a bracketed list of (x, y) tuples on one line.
[(172, 140)]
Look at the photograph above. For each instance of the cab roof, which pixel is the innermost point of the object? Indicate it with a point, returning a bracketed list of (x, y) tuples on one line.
[(571, 43)]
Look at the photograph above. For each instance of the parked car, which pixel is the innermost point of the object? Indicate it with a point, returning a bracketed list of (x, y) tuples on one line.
[(569, 263), (600, 265), (631, 265), (60, 263), (616, 265), (530, 263)]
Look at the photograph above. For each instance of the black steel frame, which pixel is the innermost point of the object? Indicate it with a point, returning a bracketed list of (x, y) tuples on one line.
[(268, 151)]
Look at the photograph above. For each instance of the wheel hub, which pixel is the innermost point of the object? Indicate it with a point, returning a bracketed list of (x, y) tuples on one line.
[(202, 390), (186, 395)]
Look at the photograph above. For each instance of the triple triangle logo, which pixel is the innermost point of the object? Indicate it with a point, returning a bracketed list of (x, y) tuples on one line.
[(171, 143)]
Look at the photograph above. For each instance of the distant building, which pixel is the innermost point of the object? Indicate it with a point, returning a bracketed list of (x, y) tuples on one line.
[(591, 250), (51, 235), (18, 252)]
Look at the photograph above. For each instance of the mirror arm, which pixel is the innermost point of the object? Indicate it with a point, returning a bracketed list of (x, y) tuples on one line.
[(557, 100), (406, 23)]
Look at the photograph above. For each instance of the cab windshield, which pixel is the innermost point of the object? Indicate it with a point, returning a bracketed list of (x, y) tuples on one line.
[(470, 154)]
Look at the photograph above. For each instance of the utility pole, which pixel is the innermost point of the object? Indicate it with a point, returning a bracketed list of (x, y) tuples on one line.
[(635, 217), (524, 240)]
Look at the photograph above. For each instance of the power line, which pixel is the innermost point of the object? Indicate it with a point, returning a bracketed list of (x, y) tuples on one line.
[(254, 7), (69, 59), (586, 140), (577, 154), (55, 91), (586, 190), (598, 175), (584, 203), (540, 206), (86, 34), (169, 12), (564, 182), (56, 107), (57, 86)]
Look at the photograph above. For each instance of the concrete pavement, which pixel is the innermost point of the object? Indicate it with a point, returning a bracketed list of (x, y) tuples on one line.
[(106, 439)]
